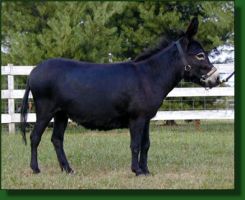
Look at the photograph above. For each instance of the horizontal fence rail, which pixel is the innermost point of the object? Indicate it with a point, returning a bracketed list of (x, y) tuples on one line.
[(25, 70), (177, 92), (11, 94)]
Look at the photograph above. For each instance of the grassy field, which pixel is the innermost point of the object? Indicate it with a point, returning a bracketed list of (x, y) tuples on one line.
[(180, 157)]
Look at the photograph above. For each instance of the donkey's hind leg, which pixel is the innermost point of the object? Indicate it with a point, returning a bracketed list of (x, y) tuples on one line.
[(60, 123), (35, 137), (44, 115)]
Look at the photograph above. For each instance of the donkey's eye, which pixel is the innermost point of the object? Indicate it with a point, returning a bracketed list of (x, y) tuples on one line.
[(200, 56)]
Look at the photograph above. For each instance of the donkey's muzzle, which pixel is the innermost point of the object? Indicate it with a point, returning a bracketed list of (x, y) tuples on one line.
[(211, 79)]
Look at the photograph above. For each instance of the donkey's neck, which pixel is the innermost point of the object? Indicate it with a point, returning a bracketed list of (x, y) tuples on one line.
[(165, 69)]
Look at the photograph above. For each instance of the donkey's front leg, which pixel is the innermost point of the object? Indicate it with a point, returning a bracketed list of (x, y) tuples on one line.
[(136, 132), (145, 145)]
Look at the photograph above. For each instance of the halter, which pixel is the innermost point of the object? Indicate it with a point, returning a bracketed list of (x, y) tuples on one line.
[(188, 67)]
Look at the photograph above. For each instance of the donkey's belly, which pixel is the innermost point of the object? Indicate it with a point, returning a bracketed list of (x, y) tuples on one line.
[(101, 123)]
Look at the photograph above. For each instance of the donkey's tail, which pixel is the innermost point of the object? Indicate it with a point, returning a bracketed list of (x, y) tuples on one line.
[(24, 111)]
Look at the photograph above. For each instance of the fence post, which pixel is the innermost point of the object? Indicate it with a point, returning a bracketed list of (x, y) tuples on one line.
[(11, 107)]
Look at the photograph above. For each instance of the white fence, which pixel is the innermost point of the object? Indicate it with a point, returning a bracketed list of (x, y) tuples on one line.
[(11, 94)]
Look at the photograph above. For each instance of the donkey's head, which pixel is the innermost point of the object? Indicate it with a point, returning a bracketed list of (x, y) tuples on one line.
[(198, 68)]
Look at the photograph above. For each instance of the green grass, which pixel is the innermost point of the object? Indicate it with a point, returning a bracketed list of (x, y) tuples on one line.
[(180, 157)]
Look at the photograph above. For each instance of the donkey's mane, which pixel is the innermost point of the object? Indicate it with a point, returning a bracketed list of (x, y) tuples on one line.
[(162, 44)]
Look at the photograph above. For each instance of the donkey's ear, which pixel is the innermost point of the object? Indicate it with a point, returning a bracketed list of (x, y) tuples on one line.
[(192, 28)]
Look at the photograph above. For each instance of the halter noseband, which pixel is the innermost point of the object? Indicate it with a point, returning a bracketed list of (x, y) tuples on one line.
[(188, 67)]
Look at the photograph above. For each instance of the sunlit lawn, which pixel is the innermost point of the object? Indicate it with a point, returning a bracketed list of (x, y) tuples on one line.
[(180, 157)]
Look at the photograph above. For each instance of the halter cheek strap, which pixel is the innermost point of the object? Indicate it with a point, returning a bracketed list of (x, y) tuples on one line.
[(182, 55)]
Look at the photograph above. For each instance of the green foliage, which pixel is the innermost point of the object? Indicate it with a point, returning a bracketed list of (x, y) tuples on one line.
[(35, 31)]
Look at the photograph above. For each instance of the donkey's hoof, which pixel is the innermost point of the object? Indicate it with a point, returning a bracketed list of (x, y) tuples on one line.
[(139, 172), (36, 171), (143, 172), (146, 172), (72, 172), (69, 171)]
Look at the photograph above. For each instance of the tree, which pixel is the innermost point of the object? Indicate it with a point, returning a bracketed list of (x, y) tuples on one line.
[(142, 23), (34, 31)]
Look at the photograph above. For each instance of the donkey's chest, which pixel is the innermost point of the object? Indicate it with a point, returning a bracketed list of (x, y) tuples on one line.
[(147, 105)]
